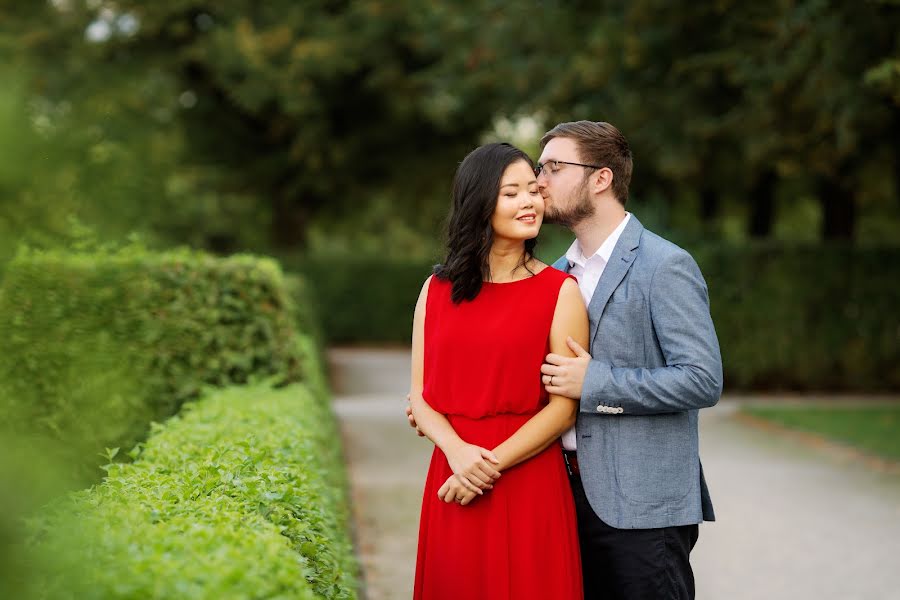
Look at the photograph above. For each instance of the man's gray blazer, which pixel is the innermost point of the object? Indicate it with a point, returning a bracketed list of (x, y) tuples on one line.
[(655, 362)]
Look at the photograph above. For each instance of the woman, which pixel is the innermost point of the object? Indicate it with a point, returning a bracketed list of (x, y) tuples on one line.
[(498, 519)]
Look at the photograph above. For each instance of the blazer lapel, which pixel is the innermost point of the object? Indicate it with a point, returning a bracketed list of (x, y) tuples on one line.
[(620, 261), (561, 264)]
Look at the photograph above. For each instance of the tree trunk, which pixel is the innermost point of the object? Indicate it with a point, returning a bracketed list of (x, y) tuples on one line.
[(838, 209), (762, 205), (289, 223), (895, 135), (709, 206)]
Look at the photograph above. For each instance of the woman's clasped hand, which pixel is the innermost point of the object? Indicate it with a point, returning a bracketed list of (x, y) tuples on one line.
[(472, 473)]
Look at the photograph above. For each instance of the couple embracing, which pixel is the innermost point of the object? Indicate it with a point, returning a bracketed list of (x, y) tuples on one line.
[(562, 400)]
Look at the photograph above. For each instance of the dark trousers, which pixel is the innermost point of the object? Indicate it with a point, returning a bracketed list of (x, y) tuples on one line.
[(633, 564)]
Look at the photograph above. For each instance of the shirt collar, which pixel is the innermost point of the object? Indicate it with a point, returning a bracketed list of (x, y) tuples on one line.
[(575, 256)]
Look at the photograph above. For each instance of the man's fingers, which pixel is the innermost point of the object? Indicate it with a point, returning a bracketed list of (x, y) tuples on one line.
[(576, 348), (419, 432), (548, 369), (556, 359)]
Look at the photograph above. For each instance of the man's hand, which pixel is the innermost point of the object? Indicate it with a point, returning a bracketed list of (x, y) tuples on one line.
[(412, 419), (454, 491), (564, 376)]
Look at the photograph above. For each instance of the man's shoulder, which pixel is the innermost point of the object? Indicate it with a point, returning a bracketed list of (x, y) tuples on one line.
[(661, 248), (561, 264)]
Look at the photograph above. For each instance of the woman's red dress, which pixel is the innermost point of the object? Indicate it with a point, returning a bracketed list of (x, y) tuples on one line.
[(482, 362)]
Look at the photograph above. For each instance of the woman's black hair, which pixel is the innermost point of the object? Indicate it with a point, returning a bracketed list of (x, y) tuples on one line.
[(469, 233)]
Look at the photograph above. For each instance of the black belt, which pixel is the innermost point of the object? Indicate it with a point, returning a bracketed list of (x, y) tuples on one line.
[(571, 458)]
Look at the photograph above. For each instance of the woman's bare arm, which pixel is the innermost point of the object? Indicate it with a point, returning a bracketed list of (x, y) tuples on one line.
[(570, 319), (470, 463)]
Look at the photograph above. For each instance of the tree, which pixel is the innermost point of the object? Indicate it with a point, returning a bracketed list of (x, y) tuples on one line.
[(727, 99), (308, 106)]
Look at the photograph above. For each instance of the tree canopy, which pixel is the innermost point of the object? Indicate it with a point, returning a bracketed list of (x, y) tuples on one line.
[(278, 114)]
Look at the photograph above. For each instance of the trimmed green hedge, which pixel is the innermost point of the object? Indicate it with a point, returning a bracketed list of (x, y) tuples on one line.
[(788, 317), (305, 314), (32, 473), (97, 345), (363, 300), (241, 495), (806, 317)]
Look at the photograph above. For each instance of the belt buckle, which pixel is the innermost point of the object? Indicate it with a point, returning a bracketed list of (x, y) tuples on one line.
[(571, 467)]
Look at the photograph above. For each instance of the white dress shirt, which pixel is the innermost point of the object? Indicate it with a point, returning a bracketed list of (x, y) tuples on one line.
[(588, 271)]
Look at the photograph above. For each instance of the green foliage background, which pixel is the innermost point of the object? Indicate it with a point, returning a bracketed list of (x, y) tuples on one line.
[(782, 323), (326, 133), (279, 127)]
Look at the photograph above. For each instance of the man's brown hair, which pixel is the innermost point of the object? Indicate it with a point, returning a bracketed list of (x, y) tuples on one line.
[(599, 143)]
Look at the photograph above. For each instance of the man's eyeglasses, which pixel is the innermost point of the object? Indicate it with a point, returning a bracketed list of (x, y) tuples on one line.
[(554, 167)]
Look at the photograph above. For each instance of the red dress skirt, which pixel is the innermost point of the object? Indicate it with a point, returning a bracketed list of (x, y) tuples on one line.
[(482, 361)]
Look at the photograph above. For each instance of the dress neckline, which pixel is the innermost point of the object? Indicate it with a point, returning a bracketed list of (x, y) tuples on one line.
[(535, 276)]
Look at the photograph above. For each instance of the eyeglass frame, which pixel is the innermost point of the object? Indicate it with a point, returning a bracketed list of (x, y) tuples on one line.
[(538, 169)]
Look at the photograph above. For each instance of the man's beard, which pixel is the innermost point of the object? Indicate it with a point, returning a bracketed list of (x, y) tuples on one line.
[(578, 211)]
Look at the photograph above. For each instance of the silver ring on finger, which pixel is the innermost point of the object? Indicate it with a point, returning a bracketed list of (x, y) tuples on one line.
[(551, 380)]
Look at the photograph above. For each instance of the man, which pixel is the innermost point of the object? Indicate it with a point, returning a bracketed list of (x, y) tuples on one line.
[(654, 361), (633, 455)]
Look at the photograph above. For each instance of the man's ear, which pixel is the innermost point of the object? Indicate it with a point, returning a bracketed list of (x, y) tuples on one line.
[(601, 180)]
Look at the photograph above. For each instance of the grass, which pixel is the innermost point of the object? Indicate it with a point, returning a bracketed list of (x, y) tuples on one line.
[(872, 429)]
